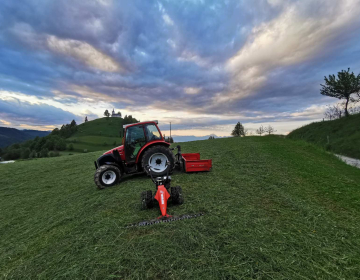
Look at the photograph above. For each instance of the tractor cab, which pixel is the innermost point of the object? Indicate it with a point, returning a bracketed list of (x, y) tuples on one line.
[(138, 135)]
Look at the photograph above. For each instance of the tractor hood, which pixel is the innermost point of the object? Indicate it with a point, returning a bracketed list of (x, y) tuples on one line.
[(120, 150)]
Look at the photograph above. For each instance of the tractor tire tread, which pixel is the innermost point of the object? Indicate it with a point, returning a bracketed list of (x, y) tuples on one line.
[(157, 149), (146, 200), (100, 170), (176, 195)]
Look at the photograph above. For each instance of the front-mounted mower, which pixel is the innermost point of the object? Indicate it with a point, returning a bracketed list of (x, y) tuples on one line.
[(144, 146), (164, 192)]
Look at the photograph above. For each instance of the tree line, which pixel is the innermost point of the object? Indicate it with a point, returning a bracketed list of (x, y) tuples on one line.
[(240, 131), (40, 147)]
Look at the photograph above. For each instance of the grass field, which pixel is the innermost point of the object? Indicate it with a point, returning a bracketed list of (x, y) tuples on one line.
[(97, 135), (344, 135), (93, 143), (275, 209)]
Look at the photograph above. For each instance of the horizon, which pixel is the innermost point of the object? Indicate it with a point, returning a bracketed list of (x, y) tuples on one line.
[(203, 66)]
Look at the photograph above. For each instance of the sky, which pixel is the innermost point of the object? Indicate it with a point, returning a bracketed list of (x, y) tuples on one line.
[(201, 65)]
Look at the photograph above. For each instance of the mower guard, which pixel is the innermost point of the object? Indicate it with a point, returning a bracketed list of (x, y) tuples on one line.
[(193, 163), (162, 197)]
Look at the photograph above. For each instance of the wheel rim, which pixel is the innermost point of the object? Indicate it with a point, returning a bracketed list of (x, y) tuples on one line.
[(157, 162), (108, 177)]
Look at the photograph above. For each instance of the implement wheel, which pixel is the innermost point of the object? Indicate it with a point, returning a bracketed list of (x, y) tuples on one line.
[(146, 200), (176, 195)]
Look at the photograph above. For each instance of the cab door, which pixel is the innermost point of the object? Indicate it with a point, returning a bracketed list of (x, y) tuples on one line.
[(134, 140)]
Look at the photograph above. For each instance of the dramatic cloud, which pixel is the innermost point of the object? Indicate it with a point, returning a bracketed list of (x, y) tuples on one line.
[(22, 112), (202, 65)]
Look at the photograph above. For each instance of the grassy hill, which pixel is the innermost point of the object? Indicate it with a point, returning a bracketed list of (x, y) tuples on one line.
[(275, 209), (344, 135), (96, 135)]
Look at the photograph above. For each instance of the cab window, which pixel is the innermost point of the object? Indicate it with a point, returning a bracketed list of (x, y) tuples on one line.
[(134, 140), (152, 133)]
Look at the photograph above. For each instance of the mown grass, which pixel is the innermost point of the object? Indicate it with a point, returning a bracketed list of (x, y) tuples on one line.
[(275, 209), (341, 136)]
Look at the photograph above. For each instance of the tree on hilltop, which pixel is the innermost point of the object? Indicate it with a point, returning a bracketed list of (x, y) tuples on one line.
[(106, 113), (238, 130), (344, 86), (260, 130), (269, 129)]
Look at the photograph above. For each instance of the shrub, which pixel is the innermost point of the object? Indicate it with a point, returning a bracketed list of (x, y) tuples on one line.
[(44, 152), (25, 153), (71, 147)]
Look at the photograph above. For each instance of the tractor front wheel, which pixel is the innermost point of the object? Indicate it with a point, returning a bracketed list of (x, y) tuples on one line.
[(107, 176), (156, 157)]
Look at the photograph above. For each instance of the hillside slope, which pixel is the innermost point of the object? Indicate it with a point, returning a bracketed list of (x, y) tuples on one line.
[(275, 209), (99, 134), (9, 136), (344, 135)]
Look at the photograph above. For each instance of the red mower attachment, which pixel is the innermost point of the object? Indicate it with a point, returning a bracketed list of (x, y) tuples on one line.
[(162, 195), (191, 162)]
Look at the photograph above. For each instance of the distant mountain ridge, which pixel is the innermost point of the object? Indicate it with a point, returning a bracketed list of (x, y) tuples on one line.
[(9, 136)]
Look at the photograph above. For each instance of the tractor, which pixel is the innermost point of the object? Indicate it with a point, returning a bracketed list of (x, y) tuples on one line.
[(142, 146)]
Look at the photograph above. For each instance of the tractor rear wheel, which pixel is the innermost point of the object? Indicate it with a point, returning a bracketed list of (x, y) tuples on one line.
[(176, 195), (156, 157), (146, 200), (107, 176)]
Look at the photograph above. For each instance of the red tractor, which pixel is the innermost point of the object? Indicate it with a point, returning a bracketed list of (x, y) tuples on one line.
[(143, 146)]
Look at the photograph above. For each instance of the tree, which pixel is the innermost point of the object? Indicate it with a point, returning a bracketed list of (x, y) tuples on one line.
[(333, 112), (86, 120), (211, 137), (260, 130), (269, 129), (106, 113), (44, 152), (119, 113), (73, 123), (238, 130), (342, 87)]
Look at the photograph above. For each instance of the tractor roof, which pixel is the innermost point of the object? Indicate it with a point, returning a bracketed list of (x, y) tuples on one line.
[(139, 123)]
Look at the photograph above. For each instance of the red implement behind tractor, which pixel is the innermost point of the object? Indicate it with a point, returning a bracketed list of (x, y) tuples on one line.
[(143, 145)]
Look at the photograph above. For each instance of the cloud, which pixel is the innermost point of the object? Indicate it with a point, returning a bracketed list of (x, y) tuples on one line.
[(207, 61), (23, 112), (84, 52)]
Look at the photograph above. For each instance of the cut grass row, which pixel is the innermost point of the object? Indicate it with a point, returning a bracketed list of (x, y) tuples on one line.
[(275, 209)]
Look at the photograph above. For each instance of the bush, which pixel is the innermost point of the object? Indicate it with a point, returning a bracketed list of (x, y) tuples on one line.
[(32, 154), (25, 153), (44, 153), (71, 147)]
